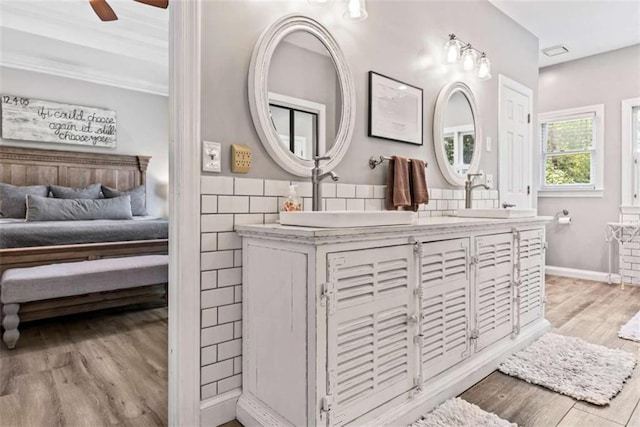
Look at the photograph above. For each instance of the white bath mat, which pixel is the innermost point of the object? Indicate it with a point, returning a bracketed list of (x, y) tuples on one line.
[(459, 413), (631, 329), (573, 367)]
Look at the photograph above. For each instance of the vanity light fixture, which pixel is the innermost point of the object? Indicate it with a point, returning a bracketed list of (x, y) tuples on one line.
[(452, 49), (456, 51), (484, 67), (356, 10), (468, 58)]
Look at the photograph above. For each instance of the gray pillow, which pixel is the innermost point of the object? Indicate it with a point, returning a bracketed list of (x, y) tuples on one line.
[(50, 209), (13, 199), (138, 198), (90, 192)]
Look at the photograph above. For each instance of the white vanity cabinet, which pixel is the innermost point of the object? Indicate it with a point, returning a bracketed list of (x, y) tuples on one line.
[(378, 325)]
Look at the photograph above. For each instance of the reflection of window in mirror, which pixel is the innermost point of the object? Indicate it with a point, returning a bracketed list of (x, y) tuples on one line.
[(299, 124), (459, 143)]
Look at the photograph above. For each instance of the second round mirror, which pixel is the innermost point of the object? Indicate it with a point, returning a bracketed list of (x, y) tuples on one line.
[(456, 132)]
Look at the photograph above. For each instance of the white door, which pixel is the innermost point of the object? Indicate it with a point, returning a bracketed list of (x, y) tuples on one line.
[(515, 153)]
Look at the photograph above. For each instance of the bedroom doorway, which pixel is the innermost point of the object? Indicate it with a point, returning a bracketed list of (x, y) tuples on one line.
[(86, 214)]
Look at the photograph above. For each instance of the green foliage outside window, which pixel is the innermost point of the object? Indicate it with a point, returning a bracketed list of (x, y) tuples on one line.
[(563, 136)]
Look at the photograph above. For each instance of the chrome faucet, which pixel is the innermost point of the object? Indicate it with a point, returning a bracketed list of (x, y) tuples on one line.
[(316, 178), (468, 188)]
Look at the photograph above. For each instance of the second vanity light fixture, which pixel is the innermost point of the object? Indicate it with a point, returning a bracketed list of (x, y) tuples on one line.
[(356, 9), (471, 58)]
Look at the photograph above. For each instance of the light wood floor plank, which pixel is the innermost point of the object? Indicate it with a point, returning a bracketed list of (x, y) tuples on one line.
[(99, 369), (578, 418)]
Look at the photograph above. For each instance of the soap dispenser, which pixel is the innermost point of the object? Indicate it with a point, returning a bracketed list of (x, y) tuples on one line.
[(293, 202)]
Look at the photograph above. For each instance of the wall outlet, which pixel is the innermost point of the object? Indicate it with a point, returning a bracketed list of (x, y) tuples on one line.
[(488, 180), (240, 158), (211, 153), (488, 143)]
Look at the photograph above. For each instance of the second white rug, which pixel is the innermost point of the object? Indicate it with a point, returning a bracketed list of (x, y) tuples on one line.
[(573, 367), (460, 413), (631, 329)]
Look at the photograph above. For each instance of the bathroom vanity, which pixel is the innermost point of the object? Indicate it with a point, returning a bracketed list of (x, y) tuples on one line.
[(377, 325)]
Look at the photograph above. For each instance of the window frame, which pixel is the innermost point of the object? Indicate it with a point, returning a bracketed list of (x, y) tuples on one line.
[(630, 156), (596, 187)]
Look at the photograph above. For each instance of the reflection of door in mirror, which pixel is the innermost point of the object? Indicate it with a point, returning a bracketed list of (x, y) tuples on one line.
[(300, 124), (458, 133), (304, 95)]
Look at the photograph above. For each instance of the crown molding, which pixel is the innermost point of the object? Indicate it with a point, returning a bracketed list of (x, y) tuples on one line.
[(73, 71)]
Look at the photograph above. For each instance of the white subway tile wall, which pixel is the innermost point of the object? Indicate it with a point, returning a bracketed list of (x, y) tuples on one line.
[(629, 252), (227, 202)]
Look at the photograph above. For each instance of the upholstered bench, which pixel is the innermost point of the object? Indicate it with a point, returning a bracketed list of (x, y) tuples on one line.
[(29, 284)]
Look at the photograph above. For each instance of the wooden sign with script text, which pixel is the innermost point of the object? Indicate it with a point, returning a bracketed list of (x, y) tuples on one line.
[(29, 119)]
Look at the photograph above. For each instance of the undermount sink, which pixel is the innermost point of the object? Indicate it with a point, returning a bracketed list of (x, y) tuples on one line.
[(496, 213), (345, 219)]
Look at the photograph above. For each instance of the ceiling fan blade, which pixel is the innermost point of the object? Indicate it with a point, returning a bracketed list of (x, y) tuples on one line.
[(156, 3), (103, 10)]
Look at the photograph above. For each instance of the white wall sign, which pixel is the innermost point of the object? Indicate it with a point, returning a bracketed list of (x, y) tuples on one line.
[(31, 119)]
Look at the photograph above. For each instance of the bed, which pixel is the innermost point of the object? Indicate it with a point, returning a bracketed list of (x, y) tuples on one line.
[(29, 244)]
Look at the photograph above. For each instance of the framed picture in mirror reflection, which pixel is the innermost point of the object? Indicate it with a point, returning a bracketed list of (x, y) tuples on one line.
[(395, 110)]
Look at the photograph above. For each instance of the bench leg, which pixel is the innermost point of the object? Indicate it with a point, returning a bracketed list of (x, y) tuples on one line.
[(10, 322)]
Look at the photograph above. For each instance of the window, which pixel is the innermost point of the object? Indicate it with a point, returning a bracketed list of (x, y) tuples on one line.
[(459, 144), (572, 152), (630, 159)]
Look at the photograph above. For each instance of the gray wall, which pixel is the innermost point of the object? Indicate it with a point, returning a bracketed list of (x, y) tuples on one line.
[(403, 40), (606, 79), (143, 122)]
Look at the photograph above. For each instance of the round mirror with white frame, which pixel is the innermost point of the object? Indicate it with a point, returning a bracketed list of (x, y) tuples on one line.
[(456, 132), (301, 95)]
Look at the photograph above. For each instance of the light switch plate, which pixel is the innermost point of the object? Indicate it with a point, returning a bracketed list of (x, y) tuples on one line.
[(211, 153), (488, 143), (488, 180)]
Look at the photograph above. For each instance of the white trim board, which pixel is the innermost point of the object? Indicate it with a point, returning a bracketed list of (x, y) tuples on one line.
[(73, 71), (219, 409), (184, 205), (626, 166), (574, 273)]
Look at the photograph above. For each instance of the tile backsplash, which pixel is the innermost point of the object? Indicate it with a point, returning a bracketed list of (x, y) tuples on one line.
[(227, 202)]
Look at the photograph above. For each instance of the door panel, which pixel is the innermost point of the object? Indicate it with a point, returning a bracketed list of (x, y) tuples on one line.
[(515, 149), (494, 288), (370, 351), (445, 316)]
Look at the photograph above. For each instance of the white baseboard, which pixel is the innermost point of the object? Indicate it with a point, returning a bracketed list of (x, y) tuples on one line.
[(219, 409), (574, 273)]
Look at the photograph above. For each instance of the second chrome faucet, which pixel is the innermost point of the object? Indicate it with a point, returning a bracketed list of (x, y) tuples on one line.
[(469, 187), (316, 179)]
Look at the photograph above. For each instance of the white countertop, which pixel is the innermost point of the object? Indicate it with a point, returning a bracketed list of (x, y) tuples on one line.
[(423, 226)]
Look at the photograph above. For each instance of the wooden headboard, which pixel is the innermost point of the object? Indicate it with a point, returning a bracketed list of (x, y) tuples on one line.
[(33, 166)]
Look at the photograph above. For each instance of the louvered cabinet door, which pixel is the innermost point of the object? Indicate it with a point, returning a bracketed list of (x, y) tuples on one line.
[(494, 290), (531, 275), (445, 311), (370, 351)]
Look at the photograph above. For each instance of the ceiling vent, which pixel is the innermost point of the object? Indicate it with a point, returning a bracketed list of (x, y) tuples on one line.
[(555, 50)]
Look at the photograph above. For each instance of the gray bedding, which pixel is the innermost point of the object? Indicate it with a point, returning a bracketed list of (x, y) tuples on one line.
[(48, 233)]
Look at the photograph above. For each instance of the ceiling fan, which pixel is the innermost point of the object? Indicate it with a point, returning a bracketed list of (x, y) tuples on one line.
[(106, 13)]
